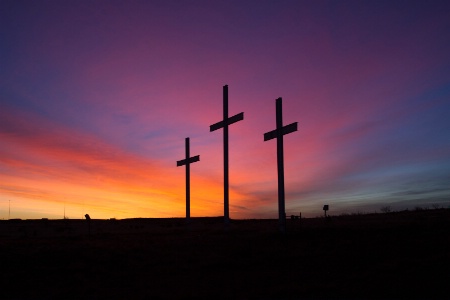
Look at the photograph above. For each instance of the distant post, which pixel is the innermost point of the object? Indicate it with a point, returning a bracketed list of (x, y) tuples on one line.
[(88, 219), (224, 124), (278, 134), (325, 209), (187, 161)]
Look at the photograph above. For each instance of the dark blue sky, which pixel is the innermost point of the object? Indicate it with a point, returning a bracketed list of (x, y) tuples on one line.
[(97, 97)]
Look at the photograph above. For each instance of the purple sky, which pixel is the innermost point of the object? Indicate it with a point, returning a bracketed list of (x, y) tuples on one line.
[(97, 97)]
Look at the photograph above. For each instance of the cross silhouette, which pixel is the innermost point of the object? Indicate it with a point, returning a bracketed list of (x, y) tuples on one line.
[(187, 161), (224, 124), (278, 134)]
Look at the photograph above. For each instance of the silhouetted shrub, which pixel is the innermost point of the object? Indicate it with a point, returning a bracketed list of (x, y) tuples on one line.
[(386, 209)]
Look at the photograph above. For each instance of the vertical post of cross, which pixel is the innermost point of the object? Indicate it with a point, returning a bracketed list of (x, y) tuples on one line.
[(188, 183), (224, 124), (187, 161), (226, 209), (278, 134), (280, 166)]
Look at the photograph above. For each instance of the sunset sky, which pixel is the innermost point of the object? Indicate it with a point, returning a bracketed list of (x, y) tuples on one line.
[(97, 98)]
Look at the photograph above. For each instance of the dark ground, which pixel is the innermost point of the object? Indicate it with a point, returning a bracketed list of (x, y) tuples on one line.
[(387, 256)]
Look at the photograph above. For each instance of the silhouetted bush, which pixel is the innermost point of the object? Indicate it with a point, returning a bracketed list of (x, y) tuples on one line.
[(386, 209)]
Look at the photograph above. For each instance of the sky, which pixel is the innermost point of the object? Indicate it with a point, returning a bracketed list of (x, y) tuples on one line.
[(97, 98)]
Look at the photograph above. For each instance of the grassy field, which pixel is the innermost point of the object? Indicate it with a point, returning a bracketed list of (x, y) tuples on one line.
[(385, 256)]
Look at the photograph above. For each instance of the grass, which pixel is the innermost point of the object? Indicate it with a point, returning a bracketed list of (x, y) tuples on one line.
[(379, 256)]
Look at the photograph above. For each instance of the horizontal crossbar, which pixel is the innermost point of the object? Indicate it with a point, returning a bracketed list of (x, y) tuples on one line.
[(191, 160), (284, 130), (229, 121)]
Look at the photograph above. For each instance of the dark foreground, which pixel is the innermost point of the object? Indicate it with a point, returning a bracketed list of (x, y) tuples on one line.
[(398, 255)]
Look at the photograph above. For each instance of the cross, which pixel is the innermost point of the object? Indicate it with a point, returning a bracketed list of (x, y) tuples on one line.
[(224, 124), (187, 161), (278, 134)]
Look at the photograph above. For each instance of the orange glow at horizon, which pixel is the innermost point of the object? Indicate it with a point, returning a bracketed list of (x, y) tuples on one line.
[(53, 169)]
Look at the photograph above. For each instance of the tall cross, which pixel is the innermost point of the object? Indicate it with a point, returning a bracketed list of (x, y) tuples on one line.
[(224, 124), (278, 134), (187, 161)]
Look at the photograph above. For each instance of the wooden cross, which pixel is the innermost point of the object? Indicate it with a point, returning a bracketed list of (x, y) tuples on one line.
[(187, 161), (278, 134), (224, 124)]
